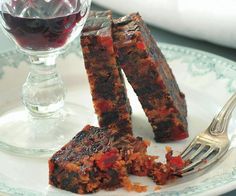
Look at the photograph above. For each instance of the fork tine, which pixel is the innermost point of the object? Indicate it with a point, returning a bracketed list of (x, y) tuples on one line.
[(188, 148), (193, 165), (197, 152), (199, 168), (209, 162)]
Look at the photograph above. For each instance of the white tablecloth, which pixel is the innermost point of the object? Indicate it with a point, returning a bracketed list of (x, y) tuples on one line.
[(210, 20)]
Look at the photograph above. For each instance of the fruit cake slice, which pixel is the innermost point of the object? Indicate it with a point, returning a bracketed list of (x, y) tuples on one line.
[(105, 78), (151, 78), (98, 158)]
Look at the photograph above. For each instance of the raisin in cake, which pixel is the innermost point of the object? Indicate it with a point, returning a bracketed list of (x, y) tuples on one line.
[(98, 158), (105, 78), (151, 78)]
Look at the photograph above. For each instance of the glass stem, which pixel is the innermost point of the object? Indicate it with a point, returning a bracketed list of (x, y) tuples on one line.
[(43, 92)]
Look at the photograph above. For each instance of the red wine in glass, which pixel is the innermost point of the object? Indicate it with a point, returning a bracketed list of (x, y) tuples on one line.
[(41, 34), (41, 29)]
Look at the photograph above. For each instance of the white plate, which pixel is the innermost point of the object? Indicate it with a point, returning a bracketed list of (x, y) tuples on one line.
[(207, 81)]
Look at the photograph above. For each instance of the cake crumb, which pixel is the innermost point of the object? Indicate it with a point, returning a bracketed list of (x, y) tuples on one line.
[(168, 149), (157, 188), (137, 187)]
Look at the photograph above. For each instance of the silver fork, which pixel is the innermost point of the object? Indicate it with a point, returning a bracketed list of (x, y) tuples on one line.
[(211, 144)]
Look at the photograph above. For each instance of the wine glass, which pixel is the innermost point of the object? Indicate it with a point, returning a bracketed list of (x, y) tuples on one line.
[(42, 29)]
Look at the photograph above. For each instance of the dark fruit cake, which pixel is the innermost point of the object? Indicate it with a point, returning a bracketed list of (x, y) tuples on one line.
[(105, 78), (95, 159), (151, 78)]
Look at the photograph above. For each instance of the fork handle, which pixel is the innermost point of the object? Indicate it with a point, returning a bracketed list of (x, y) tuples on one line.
[(220, 122)]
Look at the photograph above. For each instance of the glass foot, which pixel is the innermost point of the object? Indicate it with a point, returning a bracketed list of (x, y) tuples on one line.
[(25, 135)]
